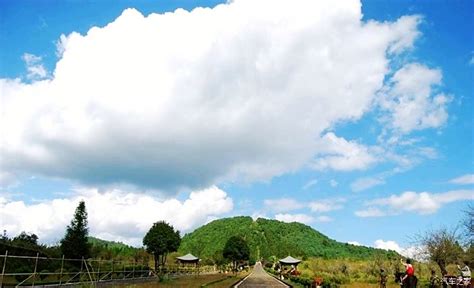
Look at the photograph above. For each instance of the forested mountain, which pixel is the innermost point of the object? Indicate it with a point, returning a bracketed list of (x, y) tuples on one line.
[(268, 238)]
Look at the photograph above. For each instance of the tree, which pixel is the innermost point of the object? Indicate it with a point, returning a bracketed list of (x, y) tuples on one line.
[(235, 250), (160, 240), (468, 224), (442, 247), (75, 245), (26, 239)]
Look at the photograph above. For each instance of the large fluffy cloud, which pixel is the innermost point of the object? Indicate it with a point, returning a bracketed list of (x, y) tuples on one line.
[(187, 99), (114, 214)]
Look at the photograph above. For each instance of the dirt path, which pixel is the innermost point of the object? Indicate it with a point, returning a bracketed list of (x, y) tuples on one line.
[(260, 278)]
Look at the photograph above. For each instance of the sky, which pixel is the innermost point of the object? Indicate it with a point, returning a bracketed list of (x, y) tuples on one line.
[(352, 117)]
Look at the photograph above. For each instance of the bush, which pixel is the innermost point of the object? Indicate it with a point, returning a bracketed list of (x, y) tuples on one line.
[(43, 274)]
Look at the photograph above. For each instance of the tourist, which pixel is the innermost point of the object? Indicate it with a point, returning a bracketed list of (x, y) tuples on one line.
[(408, 279)]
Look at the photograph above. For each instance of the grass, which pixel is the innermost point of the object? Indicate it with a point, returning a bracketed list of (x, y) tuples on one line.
[(365, 285), (211, 280), (226, 283)]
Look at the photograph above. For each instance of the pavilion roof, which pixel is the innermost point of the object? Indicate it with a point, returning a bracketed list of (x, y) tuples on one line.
[(188, 257), (289, 260)]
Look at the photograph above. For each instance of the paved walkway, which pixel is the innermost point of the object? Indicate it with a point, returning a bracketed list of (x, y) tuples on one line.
[(260, 278)]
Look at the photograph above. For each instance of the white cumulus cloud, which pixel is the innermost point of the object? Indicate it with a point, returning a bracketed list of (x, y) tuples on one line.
[(189, 99), (114, 214), (339, 154), (412, 100), (410, 252)]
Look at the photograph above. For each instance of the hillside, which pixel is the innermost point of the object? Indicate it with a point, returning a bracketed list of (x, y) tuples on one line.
[(109, 244), (111, 249), (271, 238)]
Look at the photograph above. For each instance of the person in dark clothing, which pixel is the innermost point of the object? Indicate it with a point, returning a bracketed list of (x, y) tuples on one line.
[(383, 278)]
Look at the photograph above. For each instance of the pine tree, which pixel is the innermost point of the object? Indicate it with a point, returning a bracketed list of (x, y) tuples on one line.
[(74, 245)]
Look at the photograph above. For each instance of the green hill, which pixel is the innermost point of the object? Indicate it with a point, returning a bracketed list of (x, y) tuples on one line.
[(268, 238), (109, 244), (111, 249)]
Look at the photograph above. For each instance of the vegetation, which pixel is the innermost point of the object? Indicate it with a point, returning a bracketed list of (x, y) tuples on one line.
[(217, 243), (108, 250), (267, 238), (74, 245), (236, 250), (209, 280), (160, 240), (357, 273), (442, 247)]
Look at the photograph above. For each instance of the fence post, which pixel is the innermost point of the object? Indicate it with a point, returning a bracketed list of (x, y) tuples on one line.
[(98, 271), (3, 269), (34, 272), (112, 274), (82, 268), (61, 272), (133, 271)]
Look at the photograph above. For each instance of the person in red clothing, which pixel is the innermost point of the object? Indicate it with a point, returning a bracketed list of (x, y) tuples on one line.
[(409, 280)]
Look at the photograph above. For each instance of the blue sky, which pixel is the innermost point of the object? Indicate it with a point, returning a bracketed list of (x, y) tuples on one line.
[(354, 118)]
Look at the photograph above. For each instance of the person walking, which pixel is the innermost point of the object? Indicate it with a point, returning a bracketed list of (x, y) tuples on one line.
[(409, 280)]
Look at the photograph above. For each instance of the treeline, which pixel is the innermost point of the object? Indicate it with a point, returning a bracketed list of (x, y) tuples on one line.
[(26, 244), (76, 244)]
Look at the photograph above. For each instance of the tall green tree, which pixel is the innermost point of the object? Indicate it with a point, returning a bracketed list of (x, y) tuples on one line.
[(235, 250), (74, 245), (160, 240)]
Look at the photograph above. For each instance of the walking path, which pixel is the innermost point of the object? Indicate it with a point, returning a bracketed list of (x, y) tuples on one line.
[(259, 278)]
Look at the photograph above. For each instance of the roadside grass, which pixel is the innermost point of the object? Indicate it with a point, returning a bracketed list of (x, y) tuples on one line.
[(192, 281), (365, 285), (227, 282)]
